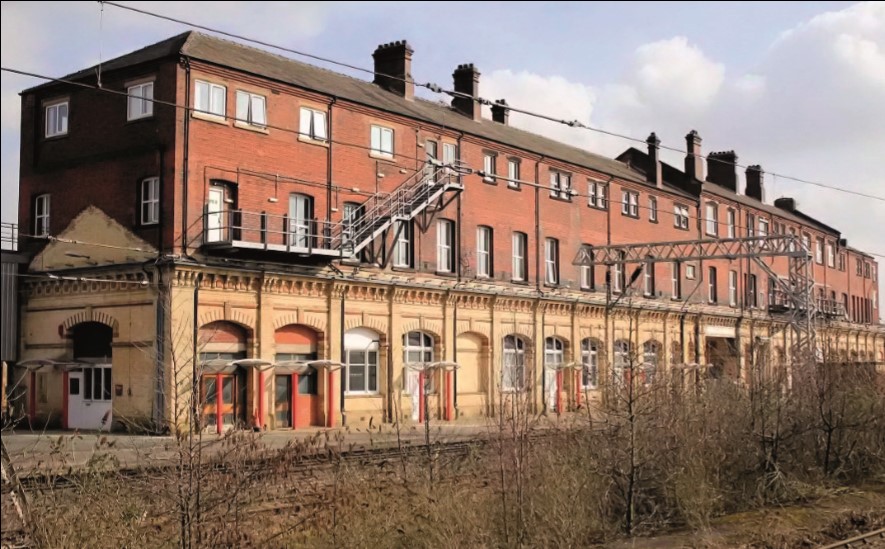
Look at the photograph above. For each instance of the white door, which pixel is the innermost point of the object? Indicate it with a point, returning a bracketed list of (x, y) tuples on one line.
[(550, 384), (299, 220), (414, 390), (89, 398), (214, 214)]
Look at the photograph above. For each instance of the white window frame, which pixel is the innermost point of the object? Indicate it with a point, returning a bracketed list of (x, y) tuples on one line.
[(712, 285), (255, 106), (384, 149), (312, 125), (554, 352), (732, 288), (618, 278), (680, 216), (831, 255), (819, 251), (402, 249), (513, 172), (513, 364), (150, 201), (489, 166), (59, 111), (763, 227), (690, 273), (560, 185), (648, 283), (588, 275), (423, 350), (445, 246), (140, 101), (596, 194), (712, 215), (104, 374), (676, 280), (651, 356), (212, 106), (589, 363), (621, 360), (653, 209), (730, 217), (484, 252), (449, 152), (41, 215), (519, 243), (368, 365), (630, 203), (551, 261)]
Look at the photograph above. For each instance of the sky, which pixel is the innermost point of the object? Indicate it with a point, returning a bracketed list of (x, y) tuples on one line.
[(798, 87)]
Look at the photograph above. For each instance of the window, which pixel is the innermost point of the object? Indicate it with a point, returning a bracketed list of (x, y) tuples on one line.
[(859, 264), (551, 260), (445, 246), (588, 274), (750, 290), (729, 220), (97, 383), (150, 201), (619, 281), (41, 215), (806, 242), (875, 278), (689, 272), (513, 173), (842, 262), (484, 251), (831, 255), (653, 209), (362, 370), (140, 104), (712, 219), (732, 288), (520, 248), (417, 349), (402, 250), (677, 280), (680, 217), (649, 280), (312, 124), (590, 363), (763, 227), (210, 98), (553, 352), (630, 203), (866, 270), (489, 167), (251, 109), (301, 226), (560, 185), (450, 150), (57, 119), (382, 143), (751, 225), (819, 251), (597, 195), (622, 360), (712, 293), (513, 372), (651, 351)]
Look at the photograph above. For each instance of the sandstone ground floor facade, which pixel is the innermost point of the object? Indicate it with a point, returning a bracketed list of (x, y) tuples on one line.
[(226, 347)]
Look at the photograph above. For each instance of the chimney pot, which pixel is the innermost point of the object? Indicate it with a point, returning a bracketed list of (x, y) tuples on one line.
[(466, 80), (500, 112), (755, 184), (694, 163), (785, 203), (653, 173), (393, 68), (722, 169)]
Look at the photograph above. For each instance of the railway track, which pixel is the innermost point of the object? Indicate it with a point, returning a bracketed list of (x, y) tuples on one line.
[(876, 538)]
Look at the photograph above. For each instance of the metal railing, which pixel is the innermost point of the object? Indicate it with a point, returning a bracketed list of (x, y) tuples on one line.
[(779, 301), (9, 236)]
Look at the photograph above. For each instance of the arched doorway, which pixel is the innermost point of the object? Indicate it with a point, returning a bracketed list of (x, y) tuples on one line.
[(222, 382), (90, 384), (296, 385)]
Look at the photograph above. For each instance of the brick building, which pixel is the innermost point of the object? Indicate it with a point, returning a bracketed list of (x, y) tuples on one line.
[(258, 222)]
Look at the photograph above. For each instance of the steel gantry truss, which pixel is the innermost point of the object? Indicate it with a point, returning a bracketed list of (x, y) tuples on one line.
[(797, 289)]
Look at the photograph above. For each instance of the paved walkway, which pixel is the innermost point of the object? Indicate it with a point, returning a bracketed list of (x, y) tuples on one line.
[(61, 450)]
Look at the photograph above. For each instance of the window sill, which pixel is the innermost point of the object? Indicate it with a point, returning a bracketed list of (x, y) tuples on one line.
[(139, 119), (561, 199), (519, 282), (312, 141), (514, 187), (489, 181), (362, 395), (251, 128), (655, 221), (209, 117), (680, 228), (631, 216), (402, 268), (447, 274), (56, 136), (383, 157)]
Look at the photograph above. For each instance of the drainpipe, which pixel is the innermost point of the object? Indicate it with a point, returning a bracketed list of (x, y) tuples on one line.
[(185, 156), (329, 165), (538, 224), (455, 356), (161, 151), (341, 359), (195, 361)]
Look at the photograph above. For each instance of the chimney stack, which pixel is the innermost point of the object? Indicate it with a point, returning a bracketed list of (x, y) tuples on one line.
[(694, 164), (653, 169), (722, 169), (395, 60), (500, 112), (755, 186), (787, 204), (466, 79)]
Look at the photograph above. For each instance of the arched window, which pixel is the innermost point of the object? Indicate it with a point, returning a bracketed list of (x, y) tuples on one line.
[(417, 349), (513, 372), (651, 353), (590, 363), (553, 348), (361, 361), (622, 359)]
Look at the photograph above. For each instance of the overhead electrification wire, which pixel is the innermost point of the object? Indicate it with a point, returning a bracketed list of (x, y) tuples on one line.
[(440, 90)]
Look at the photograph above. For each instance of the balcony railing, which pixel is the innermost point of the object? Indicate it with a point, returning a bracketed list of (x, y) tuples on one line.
[(263, 231), (9, 236), (779, 301)]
